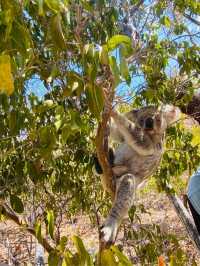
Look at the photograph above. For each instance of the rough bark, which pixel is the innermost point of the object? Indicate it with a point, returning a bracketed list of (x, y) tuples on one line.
[(102, 146)]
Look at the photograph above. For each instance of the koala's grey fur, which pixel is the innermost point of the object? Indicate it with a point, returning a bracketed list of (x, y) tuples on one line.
[(140, 134)]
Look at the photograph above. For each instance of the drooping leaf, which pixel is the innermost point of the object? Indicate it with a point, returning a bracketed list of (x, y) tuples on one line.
[(6, 78), (56, 31), (103, 55), (38, 231), (95, 99), (85, 258), (114, 69), (16, 204), (116, 40), (107, 258), (47, 140), (165, 21), (75, 84), (124, 69), (12, 122), (54, 5), (122, 258), (53, 259), (195, 136), (21, 39), (40, 7), (50, 220), (66, 132), (62, 243)]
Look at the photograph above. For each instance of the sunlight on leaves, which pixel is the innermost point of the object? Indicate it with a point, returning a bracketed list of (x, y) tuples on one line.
[(6, 78)]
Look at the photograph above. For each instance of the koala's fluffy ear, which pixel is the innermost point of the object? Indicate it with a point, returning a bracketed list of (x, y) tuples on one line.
[(171, 113), (132, 115)]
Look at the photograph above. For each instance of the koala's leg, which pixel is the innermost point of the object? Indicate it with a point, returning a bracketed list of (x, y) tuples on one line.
[(124, 197)]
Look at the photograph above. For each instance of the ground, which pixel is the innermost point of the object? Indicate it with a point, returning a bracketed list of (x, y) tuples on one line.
[(18, 244)]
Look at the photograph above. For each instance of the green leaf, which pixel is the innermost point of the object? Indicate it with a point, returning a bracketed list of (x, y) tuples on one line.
[(66, 132), (21, 39), (107, 258), (124, 69), (12, 122), (85, 258), (62, 243), (56, 31), (50, 220), (79, 245), (122, 258), (54, 5), (95, 99), (172, 261), (103, 55), (16, 204), (53, 259), (47, 139), (117, 40), (165, 21), (89, 49), (6, 78), (195, 136), (44, 106), (38, 231), (40, 7), (114, 69), (75, 83)]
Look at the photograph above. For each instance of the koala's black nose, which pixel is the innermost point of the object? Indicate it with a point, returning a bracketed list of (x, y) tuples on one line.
[(149, 123)]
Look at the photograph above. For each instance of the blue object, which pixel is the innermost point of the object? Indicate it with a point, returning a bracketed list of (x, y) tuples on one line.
[(193, 191)]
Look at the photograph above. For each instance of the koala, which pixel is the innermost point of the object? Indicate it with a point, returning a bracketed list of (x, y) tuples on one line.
[(140, 137)]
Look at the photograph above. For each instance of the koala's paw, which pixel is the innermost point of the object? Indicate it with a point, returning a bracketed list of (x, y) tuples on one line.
[(108, 235)]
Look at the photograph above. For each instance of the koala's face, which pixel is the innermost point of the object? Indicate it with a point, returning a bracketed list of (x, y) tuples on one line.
[(151, 122), (154, 120)]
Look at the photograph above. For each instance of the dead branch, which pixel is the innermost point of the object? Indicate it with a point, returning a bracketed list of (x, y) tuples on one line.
[(185, 217)]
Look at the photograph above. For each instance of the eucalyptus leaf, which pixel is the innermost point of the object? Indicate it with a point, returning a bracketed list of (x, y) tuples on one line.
[(16, 204)]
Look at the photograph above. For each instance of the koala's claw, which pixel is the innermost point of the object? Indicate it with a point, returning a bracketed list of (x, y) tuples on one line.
[(108, 235)]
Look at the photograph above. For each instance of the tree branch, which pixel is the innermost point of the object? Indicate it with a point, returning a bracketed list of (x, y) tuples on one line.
[(102, 145), (10, 214), (185, 217), (192, 19)]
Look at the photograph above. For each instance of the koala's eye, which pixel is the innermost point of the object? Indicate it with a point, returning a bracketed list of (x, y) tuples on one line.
[(141, 121)]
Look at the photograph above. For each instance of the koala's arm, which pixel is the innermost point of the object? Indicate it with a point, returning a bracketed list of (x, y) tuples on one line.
[(114, 131), (115, 134), (133, 136)]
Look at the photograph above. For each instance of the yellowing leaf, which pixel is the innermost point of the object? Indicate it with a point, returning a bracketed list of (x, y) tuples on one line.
[(195, 136), (116, 40), (6, 78)]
